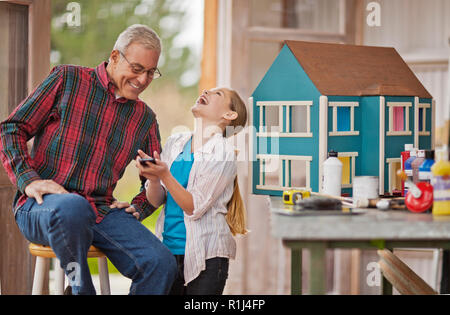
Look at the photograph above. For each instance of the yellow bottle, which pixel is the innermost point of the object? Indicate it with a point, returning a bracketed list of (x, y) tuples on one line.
[(441, 183)]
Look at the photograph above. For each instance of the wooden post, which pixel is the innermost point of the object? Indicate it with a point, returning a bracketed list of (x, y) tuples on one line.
[(209, 65), (397, 273), (30, 17), (317, 274), (296, 271)]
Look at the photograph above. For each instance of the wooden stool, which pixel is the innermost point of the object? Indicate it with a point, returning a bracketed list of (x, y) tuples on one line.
[(43, 253)]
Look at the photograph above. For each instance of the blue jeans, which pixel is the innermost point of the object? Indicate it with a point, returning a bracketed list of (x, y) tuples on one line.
[(66, 222)]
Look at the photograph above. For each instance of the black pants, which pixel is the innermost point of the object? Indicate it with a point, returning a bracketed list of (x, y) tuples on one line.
[(210, 281)]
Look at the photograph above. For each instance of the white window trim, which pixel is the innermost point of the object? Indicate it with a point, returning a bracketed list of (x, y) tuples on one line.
[(407, 131), (288, 104), (352, 156), (279, 160), (352, 106), (382, 142), (424, 131)]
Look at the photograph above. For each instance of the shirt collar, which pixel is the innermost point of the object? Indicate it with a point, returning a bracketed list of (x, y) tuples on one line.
[(105, 81), (102, 76)]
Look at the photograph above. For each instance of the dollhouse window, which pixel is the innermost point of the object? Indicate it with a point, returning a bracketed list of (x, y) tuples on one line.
[(398, 119), (285, 119), (271, 119), (343, 118), (298, 122), (348, 160), (423, 119), (281, 172), (394, 164), (269, 171)]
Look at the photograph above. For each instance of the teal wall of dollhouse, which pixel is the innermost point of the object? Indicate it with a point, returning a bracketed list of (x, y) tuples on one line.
[(284, 81)]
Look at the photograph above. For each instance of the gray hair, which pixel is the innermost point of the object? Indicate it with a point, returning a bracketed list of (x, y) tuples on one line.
[(138, 33)]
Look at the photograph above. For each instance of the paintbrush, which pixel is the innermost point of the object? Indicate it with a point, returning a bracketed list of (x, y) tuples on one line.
[(379, 203)]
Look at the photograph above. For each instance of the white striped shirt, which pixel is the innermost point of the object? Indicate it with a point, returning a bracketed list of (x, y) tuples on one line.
[(211, 183)]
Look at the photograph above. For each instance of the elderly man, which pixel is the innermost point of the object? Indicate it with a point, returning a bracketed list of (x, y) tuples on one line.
[(88, 125)]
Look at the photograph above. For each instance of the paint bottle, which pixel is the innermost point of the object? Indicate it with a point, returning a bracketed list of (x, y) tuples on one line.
[(425, 167), (415, 165), (441, 182), (332, 175), (404, 155), (408, 169)]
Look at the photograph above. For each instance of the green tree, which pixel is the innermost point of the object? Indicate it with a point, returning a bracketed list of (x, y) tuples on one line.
[(101, 21)]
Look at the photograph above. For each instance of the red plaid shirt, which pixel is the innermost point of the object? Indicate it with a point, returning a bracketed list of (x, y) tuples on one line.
[(84, 137)]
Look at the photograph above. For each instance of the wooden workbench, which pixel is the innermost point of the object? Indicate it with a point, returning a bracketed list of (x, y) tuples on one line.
[(363, 229)]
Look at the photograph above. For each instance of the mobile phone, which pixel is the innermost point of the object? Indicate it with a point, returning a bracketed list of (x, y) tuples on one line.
[(143, 161)]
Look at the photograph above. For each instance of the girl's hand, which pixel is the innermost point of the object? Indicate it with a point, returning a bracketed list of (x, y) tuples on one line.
[(152, 171), (143, 169)]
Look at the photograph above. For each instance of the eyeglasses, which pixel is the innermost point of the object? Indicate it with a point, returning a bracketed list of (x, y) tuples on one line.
[(153, 73)]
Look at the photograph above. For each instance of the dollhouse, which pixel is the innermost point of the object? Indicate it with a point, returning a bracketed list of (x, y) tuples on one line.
[(363, 102)]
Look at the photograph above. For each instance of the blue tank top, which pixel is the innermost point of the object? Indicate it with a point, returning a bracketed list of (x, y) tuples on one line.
[(174, 235)]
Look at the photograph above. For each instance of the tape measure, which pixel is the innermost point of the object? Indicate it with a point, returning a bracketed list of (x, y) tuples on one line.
[(292, 195)]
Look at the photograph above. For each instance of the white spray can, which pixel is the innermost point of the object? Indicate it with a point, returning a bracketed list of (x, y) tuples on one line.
[(332, 175)]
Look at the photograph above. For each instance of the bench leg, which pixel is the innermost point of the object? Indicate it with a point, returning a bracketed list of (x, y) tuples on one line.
[(104, 276), (39, 275), (59, 277)]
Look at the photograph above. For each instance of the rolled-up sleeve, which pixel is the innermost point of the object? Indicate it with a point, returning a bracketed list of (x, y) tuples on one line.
[(211, 180), (23, 124), (140, 202)]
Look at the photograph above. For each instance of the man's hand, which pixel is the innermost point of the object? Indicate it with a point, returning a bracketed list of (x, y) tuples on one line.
[(38, 188), (126, 205)]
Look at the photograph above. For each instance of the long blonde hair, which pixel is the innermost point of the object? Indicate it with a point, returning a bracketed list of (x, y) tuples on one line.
[(236, 215)]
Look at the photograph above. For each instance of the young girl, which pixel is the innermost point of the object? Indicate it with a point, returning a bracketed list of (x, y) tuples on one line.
[(196, 178)]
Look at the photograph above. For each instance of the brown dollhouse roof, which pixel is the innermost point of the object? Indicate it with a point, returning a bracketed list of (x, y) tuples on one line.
[(338, 69)]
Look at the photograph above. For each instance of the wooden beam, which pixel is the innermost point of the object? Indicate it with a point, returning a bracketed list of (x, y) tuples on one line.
[(403, 278), (355, 278), (350, 25), (208, 77), (16, 263), (289, 16), (279, 34), (359, 20), (39, 42)]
